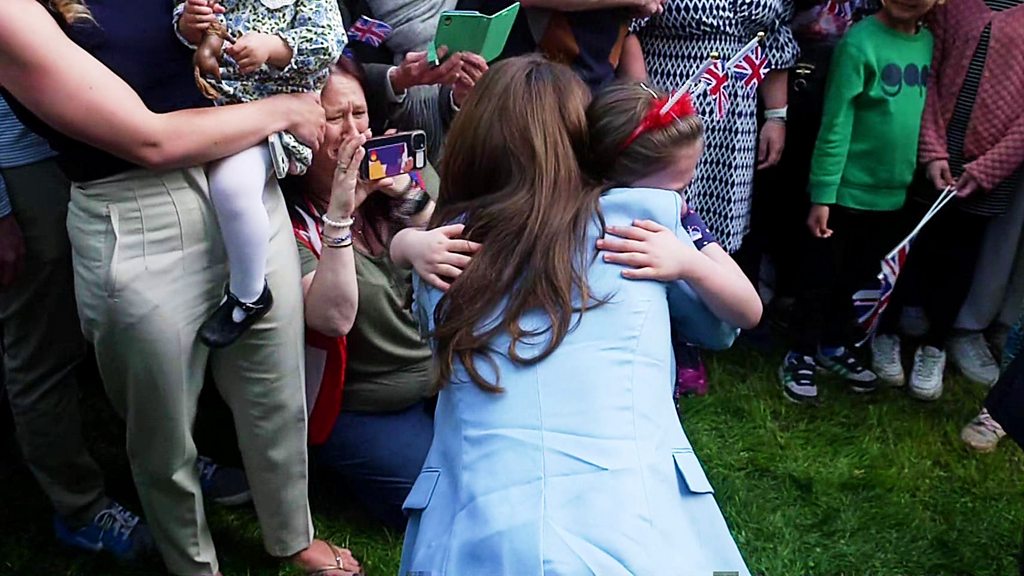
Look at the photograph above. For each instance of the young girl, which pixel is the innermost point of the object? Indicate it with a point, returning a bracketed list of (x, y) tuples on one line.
[(272, 47), (632, 146)]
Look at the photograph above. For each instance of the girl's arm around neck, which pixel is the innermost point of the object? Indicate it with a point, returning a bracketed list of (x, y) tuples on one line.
[(79, 96)]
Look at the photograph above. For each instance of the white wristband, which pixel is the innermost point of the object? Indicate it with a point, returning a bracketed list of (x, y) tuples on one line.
[(776, 113)]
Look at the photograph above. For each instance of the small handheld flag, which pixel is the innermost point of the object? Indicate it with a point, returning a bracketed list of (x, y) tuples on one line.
[(868, 305), (716, 79), (369, 31), (752, 68)]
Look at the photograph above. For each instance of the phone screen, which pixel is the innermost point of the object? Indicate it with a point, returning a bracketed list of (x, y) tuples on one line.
[(388, 160)]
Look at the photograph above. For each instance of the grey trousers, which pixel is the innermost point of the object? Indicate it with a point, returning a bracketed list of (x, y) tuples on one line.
[(149, 268), (997, 290), (42, 346)]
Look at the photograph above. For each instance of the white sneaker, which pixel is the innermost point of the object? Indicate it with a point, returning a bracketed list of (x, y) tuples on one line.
[(887, 360), (970, 354), (926, 376)]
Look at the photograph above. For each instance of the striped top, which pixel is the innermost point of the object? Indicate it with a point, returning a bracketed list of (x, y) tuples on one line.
[(18, 147), (997, 200)]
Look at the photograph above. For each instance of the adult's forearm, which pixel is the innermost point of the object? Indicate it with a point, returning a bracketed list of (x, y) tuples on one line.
[(332, 295), (73, 92), (774, 89)]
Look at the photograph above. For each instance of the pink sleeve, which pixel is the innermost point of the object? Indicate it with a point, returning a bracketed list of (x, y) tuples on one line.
[(933, 129), (1000, 162)]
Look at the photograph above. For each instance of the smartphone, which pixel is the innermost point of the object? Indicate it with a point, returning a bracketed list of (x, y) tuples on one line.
[(278, 155), (388, 156)]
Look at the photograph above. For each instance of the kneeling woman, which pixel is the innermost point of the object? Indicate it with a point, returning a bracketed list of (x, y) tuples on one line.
[(369, 443), (556, 447)]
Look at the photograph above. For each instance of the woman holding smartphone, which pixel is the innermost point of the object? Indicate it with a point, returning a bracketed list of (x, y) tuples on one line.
[(371, 438)]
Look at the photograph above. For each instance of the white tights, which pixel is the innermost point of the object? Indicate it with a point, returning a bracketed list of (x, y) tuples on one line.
[(236, 188)]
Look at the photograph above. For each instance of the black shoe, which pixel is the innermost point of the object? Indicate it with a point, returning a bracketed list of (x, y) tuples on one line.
[(846, 365), (221, 330), (797, 376)]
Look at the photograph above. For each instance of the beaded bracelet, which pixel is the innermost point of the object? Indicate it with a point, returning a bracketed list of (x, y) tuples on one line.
[(344, 223), (336, 241)]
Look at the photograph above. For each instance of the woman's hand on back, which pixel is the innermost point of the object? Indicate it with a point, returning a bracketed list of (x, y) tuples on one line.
[(305, 116), (437, 255), (650, 251)]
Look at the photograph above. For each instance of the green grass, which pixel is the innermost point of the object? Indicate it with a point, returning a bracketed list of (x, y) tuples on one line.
[(872, 486)]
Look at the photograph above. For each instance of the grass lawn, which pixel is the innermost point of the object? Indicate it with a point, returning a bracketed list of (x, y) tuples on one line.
[(877, 486)]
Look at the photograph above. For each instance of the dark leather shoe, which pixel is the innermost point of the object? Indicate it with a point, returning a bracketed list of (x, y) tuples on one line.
[(221, 330)]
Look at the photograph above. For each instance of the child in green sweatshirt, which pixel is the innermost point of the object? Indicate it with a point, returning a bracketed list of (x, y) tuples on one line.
[(864, 161)]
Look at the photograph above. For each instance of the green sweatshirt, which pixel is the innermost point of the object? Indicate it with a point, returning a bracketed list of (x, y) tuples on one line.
[(866, 151)]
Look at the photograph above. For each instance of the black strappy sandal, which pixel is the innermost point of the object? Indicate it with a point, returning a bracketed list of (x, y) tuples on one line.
[(220, 329)]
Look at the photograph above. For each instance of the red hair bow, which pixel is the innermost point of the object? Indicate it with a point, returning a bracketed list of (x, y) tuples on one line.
[(659, 117)]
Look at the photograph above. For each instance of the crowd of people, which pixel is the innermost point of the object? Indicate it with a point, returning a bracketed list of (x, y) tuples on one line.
[(485, 352)]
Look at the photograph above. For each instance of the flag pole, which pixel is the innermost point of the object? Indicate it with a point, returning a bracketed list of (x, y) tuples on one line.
[(689, 82), (948, 194), (746, 49)]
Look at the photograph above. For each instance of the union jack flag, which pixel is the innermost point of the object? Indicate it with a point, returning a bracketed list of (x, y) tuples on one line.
[(752, 68), (716, 80), (369, 31), (837, 7), (868, 305)]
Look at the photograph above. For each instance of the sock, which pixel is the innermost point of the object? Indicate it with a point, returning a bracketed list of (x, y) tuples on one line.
[(236, 188)]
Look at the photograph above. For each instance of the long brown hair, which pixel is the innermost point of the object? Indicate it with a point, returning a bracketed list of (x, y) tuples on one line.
[(613, 115), (511, 173)]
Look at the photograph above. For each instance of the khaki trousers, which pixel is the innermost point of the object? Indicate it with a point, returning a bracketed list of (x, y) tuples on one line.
[(149, 268), (42, 346)]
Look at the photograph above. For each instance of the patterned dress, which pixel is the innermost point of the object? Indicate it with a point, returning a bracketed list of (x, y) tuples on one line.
[(675, 44), (314, 31)]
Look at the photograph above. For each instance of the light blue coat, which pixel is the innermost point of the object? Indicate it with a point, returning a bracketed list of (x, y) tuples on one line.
[(580, 466)]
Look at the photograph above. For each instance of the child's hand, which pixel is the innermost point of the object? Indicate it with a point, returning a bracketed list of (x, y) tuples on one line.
[(940, 174), (197, 18), (254, 50), (436, 254), (818, 221), (650, 250)]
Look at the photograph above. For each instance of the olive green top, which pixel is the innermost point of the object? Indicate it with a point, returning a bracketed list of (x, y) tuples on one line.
[(388, 361)]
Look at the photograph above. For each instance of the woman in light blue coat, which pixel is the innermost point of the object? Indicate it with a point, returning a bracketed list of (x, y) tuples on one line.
[(557, 449)]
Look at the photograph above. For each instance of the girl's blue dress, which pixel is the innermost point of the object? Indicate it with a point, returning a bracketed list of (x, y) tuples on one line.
[(580, 466)]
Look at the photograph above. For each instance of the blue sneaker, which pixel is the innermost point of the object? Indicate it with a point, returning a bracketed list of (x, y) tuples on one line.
[(115, 529), (222, 484)]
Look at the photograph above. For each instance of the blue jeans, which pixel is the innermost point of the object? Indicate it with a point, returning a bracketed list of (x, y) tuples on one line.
[(372, 459)]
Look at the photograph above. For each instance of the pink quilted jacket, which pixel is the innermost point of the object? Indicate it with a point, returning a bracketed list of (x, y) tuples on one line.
[(995, 136)]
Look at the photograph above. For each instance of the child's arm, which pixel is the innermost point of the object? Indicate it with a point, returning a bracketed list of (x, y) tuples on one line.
[(845, 83), (654, 252), (631, 63)]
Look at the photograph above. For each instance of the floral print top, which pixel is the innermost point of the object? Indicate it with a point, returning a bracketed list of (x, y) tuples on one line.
[(312, 28)]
